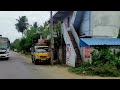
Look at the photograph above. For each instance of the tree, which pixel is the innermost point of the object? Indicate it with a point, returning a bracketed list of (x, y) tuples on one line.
[(46, 30), (22, 24), (15, 44), (57, 29), (35, 25)]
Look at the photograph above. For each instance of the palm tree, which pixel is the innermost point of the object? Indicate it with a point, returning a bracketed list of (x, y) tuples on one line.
[(22, 24)]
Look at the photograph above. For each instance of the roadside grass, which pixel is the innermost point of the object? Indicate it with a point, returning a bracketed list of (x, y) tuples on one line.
[(104, 63), (100, 70)]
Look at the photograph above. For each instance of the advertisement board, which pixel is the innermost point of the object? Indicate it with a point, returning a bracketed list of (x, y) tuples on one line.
[(87, 52)]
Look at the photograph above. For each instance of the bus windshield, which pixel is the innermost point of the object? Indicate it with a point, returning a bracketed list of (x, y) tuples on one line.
[(3, 45)]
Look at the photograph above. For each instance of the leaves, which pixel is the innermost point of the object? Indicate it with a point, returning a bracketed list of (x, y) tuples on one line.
[(104, 63), (33, 33), (22, 24)]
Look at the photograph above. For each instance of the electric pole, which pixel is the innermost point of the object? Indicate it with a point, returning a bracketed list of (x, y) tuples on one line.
[(52, 40)]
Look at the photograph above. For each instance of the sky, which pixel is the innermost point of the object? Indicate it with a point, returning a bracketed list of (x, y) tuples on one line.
[(8, 21)]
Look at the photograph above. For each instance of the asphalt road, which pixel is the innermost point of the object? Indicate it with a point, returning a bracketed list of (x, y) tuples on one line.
[(20, 67)]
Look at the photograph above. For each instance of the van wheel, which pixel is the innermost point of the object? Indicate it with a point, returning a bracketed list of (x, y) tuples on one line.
[(36, 62)]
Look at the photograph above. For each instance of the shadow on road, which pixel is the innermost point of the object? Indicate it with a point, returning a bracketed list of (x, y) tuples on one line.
[(43, 63), (2, 59)]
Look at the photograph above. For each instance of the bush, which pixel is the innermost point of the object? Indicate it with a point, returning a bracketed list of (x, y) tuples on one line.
[(85, 68), (106, 70), (104, 63)]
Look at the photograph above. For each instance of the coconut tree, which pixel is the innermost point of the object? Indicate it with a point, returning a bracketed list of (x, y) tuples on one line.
[(22, 24)]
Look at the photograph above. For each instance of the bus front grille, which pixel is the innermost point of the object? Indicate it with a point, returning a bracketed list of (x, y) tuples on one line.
[(2, 52)]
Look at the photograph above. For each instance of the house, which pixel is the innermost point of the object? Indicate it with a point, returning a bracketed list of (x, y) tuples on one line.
[(82, 29)]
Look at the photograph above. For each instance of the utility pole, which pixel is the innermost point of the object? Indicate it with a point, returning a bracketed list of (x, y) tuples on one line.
[(52, 40)]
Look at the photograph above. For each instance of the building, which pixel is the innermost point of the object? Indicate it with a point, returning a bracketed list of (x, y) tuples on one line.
[(81, 29)]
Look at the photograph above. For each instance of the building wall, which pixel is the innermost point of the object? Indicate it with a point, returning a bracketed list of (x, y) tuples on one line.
[(70, 52), (105, 23), (85, 24), (65, 20), (114, 49)]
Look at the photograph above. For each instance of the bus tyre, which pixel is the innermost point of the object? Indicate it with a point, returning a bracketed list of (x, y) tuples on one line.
[(7, 58)]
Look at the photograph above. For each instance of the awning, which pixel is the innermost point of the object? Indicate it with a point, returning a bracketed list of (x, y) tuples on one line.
[(99, 41)]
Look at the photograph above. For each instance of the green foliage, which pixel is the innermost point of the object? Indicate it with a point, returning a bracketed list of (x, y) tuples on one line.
[(102, 55), (30, 35), (22, 24), (104, 63), (85, 68), (15, 44), (35, 25), (33, 33)]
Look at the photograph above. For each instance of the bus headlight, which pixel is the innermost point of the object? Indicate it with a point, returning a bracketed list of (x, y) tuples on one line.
[(6, 52)]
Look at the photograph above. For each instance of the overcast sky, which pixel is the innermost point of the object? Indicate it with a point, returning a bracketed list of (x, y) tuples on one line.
[(8, 21)]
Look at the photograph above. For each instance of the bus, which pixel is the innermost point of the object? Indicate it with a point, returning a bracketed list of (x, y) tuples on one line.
[(4, 47)]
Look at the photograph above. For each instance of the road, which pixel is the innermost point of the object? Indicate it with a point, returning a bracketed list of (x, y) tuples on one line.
[(20, 67)]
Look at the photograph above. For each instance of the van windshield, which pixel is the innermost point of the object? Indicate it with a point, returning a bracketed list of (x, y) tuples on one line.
[(40, 50)]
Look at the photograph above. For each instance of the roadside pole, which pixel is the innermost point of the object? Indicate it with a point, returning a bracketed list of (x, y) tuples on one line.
[(52, 40)]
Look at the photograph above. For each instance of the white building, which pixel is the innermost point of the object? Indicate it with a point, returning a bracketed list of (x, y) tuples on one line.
[(78, 24)]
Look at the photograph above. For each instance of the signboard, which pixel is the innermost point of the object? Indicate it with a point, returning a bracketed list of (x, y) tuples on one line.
[(87, 52)]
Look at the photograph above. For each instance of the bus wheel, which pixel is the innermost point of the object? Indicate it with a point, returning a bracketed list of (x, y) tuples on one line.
[(7, 58)]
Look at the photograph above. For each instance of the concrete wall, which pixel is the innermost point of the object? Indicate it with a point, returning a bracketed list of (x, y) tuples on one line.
[(105, 23), (65, 20), (85, 25), (70, 55)]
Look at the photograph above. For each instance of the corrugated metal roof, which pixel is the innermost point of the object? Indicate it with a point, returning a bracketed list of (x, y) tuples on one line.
[(101, 41)]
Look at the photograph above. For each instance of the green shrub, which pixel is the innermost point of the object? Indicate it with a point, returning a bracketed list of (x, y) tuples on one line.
[(104, 63)]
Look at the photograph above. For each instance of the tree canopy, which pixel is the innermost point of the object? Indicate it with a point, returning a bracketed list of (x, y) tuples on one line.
[(22, 24)]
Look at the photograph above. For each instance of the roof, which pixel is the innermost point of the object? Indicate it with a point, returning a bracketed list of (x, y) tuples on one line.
[(99, 41), (41, 46), (90, 36), (60, 15)]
